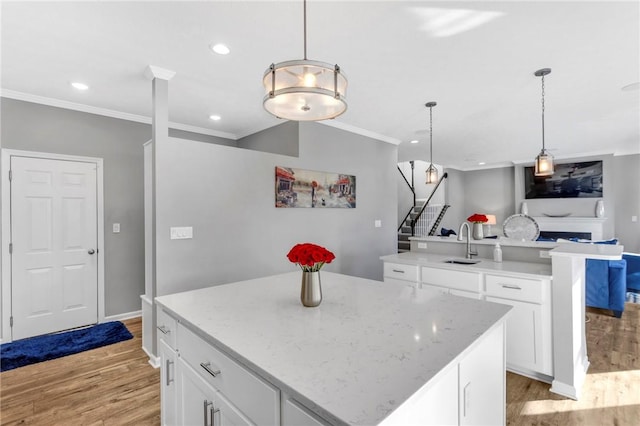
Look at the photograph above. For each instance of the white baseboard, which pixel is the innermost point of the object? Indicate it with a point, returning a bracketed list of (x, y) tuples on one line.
[(125, 316), (154, 361)]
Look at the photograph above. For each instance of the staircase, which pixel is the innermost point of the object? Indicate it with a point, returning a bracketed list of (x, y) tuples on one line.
[(405, 231)]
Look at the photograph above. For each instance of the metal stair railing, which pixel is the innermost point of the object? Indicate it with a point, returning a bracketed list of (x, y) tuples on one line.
[(424, 206)]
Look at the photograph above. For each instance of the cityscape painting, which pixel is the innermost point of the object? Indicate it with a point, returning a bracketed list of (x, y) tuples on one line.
[(308, 188)]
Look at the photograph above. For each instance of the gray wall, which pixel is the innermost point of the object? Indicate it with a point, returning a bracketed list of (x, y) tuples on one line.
[(281, 139), (626, 188), (227, 196), (34, 127), (500, 192)]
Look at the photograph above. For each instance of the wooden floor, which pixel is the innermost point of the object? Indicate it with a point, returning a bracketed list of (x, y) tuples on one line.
[(115, 385), (112, 385)]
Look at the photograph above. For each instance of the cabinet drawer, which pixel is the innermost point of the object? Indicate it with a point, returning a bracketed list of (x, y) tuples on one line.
[(166, 326), (460, 280), (256, 398), (401, 271), (515, 288)]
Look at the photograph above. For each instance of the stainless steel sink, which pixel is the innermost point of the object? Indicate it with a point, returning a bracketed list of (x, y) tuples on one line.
[(462, 261)]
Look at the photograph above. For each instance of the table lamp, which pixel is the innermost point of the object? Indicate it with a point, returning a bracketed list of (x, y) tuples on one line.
[(491, 220)]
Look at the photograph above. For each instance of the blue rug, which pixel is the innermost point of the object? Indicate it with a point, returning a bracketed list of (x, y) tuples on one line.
[(50, 346)]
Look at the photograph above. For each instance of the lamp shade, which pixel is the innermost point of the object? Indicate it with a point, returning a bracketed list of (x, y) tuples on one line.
[(544, 164), (305, 90), (491, 219)]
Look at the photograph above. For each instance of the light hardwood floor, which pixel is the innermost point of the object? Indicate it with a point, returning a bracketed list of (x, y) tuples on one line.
[(115, 385)]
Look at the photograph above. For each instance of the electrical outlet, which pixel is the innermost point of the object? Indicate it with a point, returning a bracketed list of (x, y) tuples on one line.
[(377, 223), (544, 254), (634, 218), (116, 228), (422, 245)]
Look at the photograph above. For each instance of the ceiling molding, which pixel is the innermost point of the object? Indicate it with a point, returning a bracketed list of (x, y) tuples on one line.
[(20, 96), (359, 131), (153, 71)]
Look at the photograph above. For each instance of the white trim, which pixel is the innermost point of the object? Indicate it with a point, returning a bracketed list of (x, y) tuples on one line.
[(12, 94), (154, 361), (360, 131), (124, 316), (5, 286), (153, 71)]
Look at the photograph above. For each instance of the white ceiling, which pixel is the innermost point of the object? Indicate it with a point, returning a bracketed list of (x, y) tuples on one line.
[(394, 53)]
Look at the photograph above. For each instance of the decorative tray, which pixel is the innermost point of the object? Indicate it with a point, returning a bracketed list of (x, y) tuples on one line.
[(521, 227)]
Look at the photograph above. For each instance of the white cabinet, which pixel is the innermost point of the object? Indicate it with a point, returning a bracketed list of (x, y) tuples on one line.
[(401, 274), (294, 414), (529, 333), (168, 400), (529, 327), (469, 391), (200, 404)]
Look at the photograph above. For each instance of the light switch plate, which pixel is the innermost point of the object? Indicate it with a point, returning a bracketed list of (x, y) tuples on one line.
[(181, 232), (377, 223), (116, 228)]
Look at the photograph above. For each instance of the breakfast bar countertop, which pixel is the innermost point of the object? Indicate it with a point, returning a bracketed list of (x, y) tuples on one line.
[(354, 359)]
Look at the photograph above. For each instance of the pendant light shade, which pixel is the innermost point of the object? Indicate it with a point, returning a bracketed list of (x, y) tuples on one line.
[(432, 172), (305, 90), (544, 160)]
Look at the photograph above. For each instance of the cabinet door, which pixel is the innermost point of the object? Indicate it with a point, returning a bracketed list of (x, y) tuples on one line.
[(524, 335), (200, 404), (168, 401), (482, 390)]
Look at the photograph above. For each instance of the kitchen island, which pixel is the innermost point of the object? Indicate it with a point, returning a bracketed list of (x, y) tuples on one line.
[(371, 353)]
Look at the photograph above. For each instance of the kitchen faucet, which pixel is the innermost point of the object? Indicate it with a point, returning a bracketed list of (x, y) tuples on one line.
[(469, 252)]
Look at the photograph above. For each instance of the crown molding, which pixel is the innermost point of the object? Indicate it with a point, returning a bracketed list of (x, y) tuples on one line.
[(153, 71), (360, 131), (20, 96)]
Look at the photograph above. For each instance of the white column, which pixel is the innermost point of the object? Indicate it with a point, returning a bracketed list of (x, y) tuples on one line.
[(159, 133), (570, 360)]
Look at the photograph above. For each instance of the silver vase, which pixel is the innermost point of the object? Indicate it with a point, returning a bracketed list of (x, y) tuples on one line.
[(311, 291), (477, 231)]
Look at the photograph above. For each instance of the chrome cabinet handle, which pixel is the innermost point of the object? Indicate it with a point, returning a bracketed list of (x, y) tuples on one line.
[(398, 270), (207, 368), (164, 329), (206, 413), (513, 287), (168, 374), (213, 412), (91, 251)]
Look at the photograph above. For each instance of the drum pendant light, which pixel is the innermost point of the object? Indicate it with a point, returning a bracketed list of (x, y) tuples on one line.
[(305, 90), (432, 172), (544, 160)]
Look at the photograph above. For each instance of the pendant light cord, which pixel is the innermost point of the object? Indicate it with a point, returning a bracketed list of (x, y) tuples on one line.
[(305, 28), (543, 113), (431, 135)]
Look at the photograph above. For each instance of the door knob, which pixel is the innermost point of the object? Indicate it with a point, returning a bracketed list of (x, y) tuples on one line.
[(91, 251)]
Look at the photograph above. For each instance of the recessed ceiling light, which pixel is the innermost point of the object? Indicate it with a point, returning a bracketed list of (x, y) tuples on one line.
[(482, 163), (632, 86), (79, 86), (220, 49), (214, 117), (414, 141)]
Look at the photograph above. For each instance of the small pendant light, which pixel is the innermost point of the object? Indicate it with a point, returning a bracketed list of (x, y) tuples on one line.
[(544, 160), (432, 172)]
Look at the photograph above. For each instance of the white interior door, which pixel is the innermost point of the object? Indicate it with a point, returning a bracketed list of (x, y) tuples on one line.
[(54, 280)]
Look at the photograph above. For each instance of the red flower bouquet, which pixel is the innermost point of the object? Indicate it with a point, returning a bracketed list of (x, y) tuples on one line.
[(477, 218), (310, 257)]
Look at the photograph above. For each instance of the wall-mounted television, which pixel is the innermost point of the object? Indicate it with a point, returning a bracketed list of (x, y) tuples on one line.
[(570, 180)]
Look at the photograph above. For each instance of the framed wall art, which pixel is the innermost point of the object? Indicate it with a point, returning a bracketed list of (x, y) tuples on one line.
[(314, 189)]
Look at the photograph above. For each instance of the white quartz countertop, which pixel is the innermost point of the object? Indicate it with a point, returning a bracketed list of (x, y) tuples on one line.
[(506, 242), (589, 251), (523, 269), (355, 358)]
